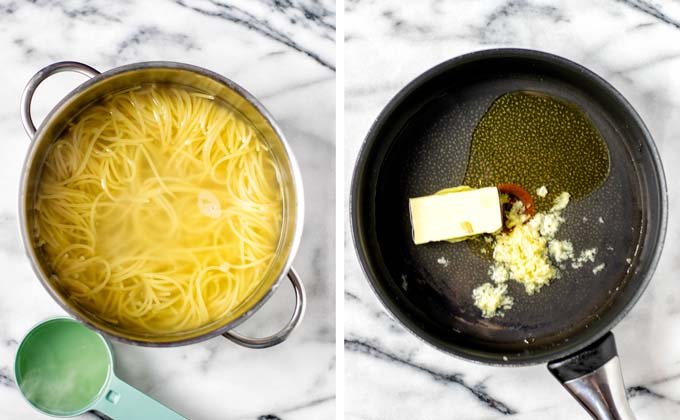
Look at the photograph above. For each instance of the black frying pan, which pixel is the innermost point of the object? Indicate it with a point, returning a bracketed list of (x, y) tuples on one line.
[(420, 144)]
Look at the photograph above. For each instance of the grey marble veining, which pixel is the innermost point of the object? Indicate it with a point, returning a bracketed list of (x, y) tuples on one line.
[(281, 51), (635, 45)]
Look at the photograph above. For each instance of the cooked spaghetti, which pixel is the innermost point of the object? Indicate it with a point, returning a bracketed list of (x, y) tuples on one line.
[(159, 209)]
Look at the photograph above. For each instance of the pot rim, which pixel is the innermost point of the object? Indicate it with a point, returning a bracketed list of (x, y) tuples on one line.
[(252, 100)]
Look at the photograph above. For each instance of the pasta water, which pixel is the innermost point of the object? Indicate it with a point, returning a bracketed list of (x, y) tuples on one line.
[(159, 209)]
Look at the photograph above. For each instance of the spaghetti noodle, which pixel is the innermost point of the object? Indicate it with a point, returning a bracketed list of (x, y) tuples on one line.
[(159, 209)]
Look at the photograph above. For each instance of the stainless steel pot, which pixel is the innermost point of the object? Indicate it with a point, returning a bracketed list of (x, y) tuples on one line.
[(120, 78)]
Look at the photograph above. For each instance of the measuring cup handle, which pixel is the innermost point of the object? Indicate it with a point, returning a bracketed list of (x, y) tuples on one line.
[(281, 336), (37, 79), (123, 402)]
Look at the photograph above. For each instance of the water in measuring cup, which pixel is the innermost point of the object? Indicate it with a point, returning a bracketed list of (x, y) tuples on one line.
[(62, 368)]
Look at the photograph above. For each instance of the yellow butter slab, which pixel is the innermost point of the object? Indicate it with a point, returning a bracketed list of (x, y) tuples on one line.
[(455, 215)]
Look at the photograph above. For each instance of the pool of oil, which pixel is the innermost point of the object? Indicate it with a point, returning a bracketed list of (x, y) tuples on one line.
[(533, 139)]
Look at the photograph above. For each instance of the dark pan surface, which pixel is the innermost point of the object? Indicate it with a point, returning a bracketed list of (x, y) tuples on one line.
[(420, 144)]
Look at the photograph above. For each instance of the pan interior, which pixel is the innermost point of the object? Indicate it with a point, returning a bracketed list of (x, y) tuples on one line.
[(423, 145)]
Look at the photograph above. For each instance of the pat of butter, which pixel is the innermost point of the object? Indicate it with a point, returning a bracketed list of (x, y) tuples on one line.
[(455, 215)]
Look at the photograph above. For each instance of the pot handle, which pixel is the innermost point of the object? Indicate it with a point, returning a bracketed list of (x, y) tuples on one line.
[(593, 376), (282, 335), (44, 73)]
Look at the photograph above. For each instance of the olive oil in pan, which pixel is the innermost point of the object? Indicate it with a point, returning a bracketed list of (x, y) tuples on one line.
[(533, 139)]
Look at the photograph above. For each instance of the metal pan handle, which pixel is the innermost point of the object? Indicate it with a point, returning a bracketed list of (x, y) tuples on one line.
[(29, 90), (282, 335), (593, 376)]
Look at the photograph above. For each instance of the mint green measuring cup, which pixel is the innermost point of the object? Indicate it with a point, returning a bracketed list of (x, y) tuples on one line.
[(64, 369)]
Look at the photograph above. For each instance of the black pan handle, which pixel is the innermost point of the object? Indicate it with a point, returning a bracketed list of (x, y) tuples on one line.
[(593, 376)]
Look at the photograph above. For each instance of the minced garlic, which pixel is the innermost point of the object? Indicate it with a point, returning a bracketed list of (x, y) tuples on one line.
[(527, 255), (598, 268), (560, 202), (547, 224), (490, 299), (542, 191), (523, 253), (587, 255), (561, 251), (498, 273), (516, 216)]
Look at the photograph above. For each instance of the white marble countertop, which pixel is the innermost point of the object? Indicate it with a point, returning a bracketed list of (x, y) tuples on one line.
[(283, 53), (635, 44)]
